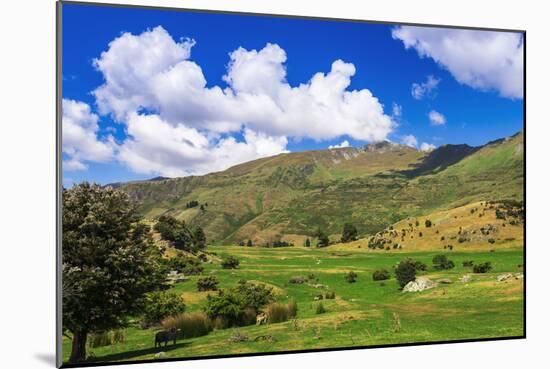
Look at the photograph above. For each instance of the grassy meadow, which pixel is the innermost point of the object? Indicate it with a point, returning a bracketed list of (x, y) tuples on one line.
[(363, 313)]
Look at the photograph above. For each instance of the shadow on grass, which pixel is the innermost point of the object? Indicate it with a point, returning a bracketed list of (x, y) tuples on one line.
[(128, 355)]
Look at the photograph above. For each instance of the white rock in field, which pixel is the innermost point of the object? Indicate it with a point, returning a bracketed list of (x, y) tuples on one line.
[(518, 275), (504, 277), (419, 284), (160, 355), (466, 278)]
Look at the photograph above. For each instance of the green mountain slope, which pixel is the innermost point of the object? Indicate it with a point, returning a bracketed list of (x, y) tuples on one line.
[(292, 195)]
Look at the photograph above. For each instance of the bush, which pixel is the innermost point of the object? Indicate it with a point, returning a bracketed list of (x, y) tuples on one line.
[(230, 262), (278, 312), (189, 324), (468, 263), (237, 306), (184, 264), (100, 339), (428, 223), (380, 275), (441, 262), (351, 277), (405, 272), (482, 268), (330, 295), (349, 233), (323, 240), (297, 280), (249, 243), (209, 283), (420, 266), (320, 308), (491, 240), (160, 305)]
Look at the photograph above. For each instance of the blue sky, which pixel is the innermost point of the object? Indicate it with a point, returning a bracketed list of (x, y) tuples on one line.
[(476, 90)]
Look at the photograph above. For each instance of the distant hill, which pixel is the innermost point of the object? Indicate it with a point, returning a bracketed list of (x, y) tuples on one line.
[(291, 195)]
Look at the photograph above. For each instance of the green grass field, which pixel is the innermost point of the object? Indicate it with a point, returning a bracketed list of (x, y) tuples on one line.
[(362, 313)]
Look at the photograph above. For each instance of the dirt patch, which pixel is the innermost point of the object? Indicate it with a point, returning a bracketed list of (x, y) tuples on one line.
[(193, 298)]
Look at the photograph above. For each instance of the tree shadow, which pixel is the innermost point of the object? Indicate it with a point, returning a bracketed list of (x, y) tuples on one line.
[(128, 355)]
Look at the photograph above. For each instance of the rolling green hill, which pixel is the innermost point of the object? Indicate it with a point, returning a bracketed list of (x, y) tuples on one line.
[(290, 196)]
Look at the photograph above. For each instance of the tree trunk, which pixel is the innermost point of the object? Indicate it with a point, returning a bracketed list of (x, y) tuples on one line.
[(78, 351)]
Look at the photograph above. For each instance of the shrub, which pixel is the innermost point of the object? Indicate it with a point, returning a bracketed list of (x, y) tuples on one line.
[(349, 233), (405, 272), (209, 283), (320, 308), (380, 275), (491, 240), (420, 266), (428, 223), (441, 262), (230, 262), (236, 306), (468, 263), (297, 280), (100, 339), (351, 277), (307, 243), (190, 324), (184, 264), (279, 312), (323, 239), (483, 267), (160, 305), (330, 295)]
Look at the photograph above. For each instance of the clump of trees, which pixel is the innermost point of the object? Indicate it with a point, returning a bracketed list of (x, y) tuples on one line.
[(323, 240), (209, 283), (181, 236), (102, 236), (184, 264), (349, 233), (230, 262), (441, 262), (192, 204), (239, 305)]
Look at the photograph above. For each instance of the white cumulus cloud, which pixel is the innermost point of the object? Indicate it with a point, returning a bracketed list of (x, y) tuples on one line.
[(484, 60), (342, 144), (427, 146), (420, 90), (177, 124), (80, 141), (409, 140), (436, 118)]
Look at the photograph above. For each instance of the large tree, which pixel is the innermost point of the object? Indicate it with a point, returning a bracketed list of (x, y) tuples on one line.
[(109, 262), (349, 233)]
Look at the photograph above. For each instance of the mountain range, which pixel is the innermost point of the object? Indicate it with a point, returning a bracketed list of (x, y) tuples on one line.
[(290, 196)]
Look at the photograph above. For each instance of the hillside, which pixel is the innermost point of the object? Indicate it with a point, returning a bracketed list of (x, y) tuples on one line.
[(290, 195)]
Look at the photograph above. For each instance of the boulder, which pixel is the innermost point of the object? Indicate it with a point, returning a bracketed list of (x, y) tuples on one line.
[(466, 278), (504, 277), (518, 275), (444, 281), (419, 284)]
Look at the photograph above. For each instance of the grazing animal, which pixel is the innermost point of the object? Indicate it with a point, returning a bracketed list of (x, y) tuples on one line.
[(261, 319), (166, 336)]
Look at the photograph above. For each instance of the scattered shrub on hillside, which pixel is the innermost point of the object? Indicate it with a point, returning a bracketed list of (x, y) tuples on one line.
[(428, 223), (442, 238), (279, 312), (209, 283), (419, 234), (500, 214), (331, 295), (230, 262), (297, 280), (307, 243), (380, 275), (192, 204), (463, 239), (417, 223), (323, 240), (482, 268), (161, 304), (468, 263), (441, 262), (491, 240), (351, 277), (320, 308), (405, 272), (236, 306), (349, 233), (190, 325), (184, 264)]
